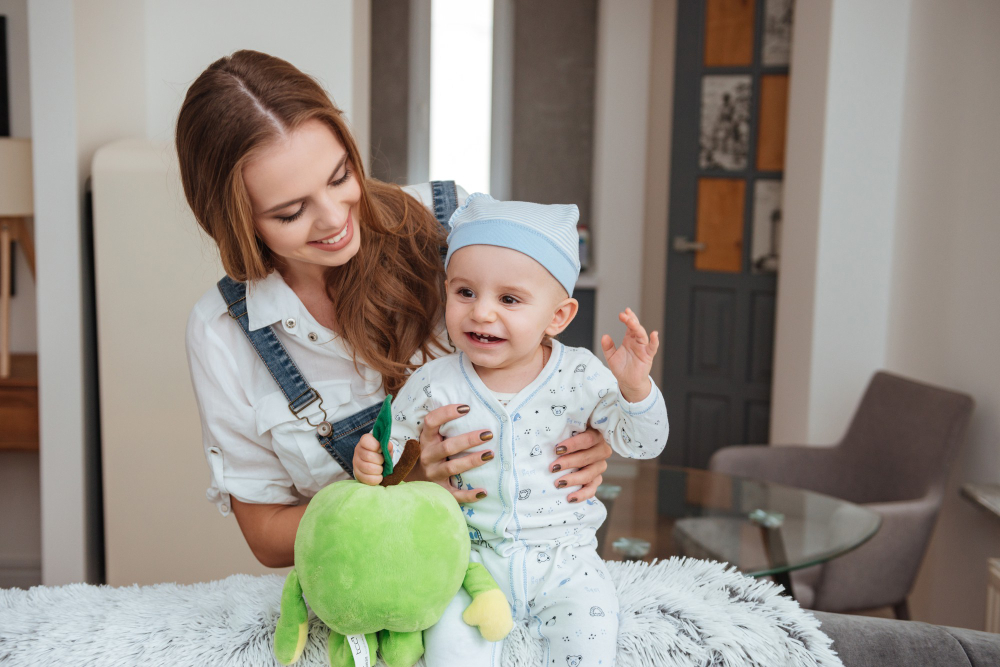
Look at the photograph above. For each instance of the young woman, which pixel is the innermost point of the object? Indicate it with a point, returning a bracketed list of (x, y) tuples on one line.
[(333, 294)]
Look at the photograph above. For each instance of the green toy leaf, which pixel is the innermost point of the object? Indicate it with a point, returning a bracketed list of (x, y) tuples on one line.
[(381, 432)]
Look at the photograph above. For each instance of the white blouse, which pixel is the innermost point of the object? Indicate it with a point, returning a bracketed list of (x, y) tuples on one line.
[(257, 450)]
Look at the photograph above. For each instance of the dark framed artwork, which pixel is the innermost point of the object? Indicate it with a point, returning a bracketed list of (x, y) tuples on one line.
[(4, 97)]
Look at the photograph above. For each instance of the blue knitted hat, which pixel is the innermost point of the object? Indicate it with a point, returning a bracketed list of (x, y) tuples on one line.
[(545, 233)]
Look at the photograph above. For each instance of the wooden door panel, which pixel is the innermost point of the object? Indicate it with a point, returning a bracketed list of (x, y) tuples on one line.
[(721, 202), (729, 34), (712, 333), (772, 120), (758, 423), (708, 427), (760, 366)]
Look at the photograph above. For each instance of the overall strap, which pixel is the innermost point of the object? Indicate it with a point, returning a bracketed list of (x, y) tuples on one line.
[(297, 391), (445, 200)]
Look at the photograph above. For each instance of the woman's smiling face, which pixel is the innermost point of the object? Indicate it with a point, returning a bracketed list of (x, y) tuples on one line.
[(304, 194)]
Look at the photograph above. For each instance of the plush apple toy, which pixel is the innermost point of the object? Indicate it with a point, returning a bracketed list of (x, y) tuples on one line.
[(379, 564)]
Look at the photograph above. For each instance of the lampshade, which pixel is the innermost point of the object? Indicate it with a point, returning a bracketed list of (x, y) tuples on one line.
[(15, 178)]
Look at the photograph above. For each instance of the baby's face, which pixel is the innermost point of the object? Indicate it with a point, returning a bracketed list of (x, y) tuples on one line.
[(501, 303)]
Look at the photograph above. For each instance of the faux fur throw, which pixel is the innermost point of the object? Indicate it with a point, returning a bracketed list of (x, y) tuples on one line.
[(675, 612)]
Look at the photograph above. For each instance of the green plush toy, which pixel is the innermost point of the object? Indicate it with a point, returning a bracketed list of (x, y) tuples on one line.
[(379, 564)]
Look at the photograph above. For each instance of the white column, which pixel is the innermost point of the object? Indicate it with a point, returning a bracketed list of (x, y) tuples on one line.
[(620, 141), (65, 539)]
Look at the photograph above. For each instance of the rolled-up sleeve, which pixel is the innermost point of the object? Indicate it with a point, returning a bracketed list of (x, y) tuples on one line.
[(242, 464)]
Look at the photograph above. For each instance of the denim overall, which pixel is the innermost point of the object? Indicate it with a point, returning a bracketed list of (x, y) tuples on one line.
[(339, 438)]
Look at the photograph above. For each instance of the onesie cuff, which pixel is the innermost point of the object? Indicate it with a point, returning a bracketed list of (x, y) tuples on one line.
[(643, 406)]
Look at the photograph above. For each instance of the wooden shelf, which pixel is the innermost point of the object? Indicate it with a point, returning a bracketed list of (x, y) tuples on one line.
[(19, 404)]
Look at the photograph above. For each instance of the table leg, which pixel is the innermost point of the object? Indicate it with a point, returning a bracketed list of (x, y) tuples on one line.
[(774, 545)]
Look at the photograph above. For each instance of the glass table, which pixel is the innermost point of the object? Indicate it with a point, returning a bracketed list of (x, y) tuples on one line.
[(763, 529)]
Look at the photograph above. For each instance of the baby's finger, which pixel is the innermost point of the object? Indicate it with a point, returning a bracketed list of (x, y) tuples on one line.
[(368, 468), (374, 458), (608, 346), (369, 443)]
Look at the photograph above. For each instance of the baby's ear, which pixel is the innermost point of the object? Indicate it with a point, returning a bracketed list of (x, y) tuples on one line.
[(565, 312)]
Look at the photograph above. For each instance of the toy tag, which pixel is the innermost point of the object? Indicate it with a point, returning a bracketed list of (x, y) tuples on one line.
[(359, 650), (381, 432)]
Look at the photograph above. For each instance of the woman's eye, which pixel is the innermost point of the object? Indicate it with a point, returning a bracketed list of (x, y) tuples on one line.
[(295, 216), (342, 179), (508, 300)]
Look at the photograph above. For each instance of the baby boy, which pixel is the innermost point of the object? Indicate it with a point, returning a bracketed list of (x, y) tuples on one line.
[(511, 269)]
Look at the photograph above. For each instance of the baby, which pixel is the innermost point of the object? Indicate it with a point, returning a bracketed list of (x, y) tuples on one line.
[(511, 268)]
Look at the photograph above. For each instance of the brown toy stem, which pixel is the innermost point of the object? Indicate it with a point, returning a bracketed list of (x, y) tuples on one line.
[(411, 452)]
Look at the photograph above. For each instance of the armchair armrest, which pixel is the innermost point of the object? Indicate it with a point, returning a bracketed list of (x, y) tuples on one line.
[(819, 469), (881, 571)]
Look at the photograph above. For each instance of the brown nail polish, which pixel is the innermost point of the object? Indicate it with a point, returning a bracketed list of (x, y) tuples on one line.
[(488, 456), (561, 449), (561, 483), (574, 500), (556, 468), (486, 435), (463, 409), (481, 495)]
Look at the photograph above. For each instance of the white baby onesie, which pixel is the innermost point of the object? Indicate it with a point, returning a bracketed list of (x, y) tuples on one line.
[(539, 547)]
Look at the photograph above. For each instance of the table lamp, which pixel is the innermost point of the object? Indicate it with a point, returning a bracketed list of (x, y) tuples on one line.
[(16, 207)]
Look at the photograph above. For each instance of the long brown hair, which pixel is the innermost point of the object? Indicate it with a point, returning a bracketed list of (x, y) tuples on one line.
[(389, 298)]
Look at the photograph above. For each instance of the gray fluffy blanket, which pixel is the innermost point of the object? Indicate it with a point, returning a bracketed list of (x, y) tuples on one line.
[(674, 612)]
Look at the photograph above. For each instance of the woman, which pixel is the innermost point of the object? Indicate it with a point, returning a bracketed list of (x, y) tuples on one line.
[(334, 293)]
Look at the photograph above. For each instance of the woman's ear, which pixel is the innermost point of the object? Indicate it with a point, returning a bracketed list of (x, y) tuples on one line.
[(565, 312)]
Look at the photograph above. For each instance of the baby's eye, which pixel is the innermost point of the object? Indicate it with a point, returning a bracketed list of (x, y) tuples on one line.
[(508, 300), (465, 292)]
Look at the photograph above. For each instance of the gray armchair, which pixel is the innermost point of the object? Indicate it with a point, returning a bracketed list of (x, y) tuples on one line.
[(894, 459)]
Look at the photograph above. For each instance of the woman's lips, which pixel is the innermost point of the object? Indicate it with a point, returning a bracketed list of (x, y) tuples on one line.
[(347, 231)]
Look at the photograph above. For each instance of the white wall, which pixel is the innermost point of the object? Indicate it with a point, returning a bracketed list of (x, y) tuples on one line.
[(840, 229), (944, 315)]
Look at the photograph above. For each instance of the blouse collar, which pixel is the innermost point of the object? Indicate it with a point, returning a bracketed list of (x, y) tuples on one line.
[(270, 300)]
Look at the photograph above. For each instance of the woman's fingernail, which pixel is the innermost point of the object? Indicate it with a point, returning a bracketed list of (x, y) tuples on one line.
[(486, 435), (463, 409), (561, 449), (481, 495), (488, 456), (574, 500), (556, 468), (561, 483)]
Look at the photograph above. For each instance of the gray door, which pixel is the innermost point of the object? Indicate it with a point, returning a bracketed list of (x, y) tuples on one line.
[(730, 97)]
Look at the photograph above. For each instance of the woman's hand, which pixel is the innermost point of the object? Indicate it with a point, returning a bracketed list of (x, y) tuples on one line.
[(589, 453), (435, 450)]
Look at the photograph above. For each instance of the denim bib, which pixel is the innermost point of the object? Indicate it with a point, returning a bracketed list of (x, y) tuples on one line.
[(337, 438)]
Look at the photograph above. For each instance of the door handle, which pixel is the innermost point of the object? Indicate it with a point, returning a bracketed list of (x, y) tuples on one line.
[(683, 244)]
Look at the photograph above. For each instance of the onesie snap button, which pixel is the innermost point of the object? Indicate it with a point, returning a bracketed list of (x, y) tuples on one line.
[(506, 465), (503, 418)]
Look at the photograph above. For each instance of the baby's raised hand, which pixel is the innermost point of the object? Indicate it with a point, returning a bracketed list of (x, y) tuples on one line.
[(368, 460), (632, 361)]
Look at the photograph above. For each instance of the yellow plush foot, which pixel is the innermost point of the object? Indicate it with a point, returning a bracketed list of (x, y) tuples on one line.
[(490, 612)]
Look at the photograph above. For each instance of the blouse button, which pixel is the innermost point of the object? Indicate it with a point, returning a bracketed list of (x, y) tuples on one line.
[(290, 323), (313, 337), (224, 508)]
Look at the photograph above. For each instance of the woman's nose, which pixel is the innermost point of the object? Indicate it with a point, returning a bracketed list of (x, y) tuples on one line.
[(332, 213)]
